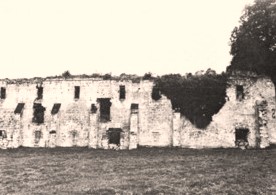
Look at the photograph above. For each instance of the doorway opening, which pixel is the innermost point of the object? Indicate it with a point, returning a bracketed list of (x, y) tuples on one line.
[(241, 135), (52, 138), (114, 136)]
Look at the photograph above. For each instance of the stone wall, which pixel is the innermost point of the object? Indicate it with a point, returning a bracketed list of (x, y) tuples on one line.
[(74, 124), (235, 114), (140, 120)]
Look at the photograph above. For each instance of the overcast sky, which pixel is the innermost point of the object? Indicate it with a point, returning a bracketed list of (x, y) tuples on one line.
[(44, 38)]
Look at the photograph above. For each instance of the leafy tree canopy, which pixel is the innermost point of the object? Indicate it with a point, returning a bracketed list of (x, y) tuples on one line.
[(66, 74), (253, 42), (198, 98)]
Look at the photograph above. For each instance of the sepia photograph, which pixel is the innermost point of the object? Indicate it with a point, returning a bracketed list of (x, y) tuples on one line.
[(148, 97)]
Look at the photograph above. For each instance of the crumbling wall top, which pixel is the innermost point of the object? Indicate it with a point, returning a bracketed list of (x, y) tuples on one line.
[(93, 77)]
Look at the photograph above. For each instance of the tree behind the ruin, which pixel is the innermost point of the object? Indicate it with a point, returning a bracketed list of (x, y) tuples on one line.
[(253, 42)]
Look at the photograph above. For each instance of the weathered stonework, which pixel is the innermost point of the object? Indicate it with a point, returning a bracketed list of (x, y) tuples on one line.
[(76, 118), (237, 114)]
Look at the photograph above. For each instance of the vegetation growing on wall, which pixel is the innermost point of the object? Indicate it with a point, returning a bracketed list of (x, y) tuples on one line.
[(198, 98), (132, 77), (66, 74)]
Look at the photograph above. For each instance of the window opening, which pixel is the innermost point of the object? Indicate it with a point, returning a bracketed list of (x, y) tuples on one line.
[(39, 92), (122, 92), (93, 108), (38, 115), (3, 93), (105, 105), (3, 134), (155, 94), (53, 132), (134, 108), (55, 108), (77, 92), (19, 108), (239, 92)]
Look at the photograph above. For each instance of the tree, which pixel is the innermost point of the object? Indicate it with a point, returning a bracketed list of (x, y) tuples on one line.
[(253, 42), (147, 76), (66, 74)]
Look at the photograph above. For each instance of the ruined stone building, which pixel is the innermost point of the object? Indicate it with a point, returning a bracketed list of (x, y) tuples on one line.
[(59, 112)]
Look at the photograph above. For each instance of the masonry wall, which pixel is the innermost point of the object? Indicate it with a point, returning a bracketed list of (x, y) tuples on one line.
[(233, 115), (75, 124), (151, 123), (155, 120)]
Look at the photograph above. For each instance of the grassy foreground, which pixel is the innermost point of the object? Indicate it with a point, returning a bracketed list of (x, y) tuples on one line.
[(142, 171)]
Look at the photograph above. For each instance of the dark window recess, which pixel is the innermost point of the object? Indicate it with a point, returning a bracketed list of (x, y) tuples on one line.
[(239, 92), (55, 108), (38, 136), (114, 135), (77, 92), (3, 93), (39, 92), (38, 115), (105, 105), (155, 94), (53, 132), (3, 134), (122, 92), (19, 108), (134, 108), (93, 108)]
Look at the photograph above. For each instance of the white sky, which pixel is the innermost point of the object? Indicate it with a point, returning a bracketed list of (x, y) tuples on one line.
[(45, 38)]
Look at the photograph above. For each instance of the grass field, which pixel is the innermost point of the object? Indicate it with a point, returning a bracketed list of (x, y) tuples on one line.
[(142, 171)]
